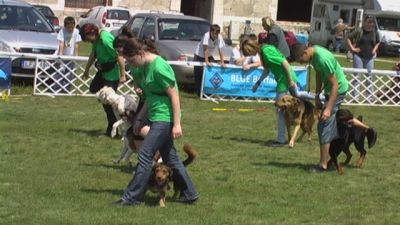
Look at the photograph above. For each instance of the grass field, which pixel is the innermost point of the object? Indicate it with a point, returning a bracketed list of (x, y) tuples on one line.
[(56, 170)]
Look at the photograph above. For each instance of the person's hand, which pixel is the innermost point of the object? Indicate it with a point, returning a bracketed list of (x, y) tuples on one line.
[(246, 67), (326, 114), (356, 50), (255, 86), (293, 89), (138, 91), (176, 131), (85, 75), (122, 79), (209, 64), (223, 64)]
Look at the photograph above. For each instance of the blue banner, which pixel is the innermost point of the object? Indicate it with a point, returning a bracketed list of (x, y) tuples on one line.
[(5, 73), (238, 82)]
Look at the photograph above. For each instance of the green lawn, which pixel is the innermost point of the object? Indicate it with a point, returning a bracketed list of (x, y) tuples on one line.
[(56, 170)]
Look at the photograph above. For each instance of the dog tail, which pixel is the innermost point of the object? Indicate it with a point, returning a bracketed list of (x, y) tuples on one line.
[(191, 153)]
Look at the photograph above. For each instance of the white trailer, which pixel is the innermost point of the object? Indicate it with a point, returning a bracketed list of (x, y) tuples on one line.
[(325, 14)]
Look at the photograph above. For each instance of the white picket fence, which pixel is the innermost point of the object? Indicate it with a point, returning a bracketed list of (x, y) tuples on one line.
[(62, 76)]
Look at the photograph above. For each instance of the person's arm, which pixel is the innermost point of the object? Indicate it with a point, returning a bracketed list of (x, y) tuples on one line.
[(206, 52), (176, 110), (60, 47), (90, 62), (326, 114), (352, 45), (378, 42), (221, 57), (122, 75), (318, 87), (76, 53), (262, 77), (292, 84)]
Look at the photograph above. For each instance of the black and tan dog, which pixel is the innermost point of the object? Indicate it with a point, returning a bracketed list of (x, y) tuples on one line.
[(163, 175), (298, 113), (348, 134)]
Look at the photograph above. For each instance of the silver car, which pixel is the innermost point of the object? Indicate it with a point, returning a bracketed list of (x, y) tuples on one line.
[(176, 37), (23, 29)]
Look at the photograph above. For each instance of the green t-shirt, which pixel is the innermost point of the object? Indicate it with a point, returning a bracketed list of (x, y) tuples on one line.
[(325, 63), (273, 60), (154, 79), (105, 52)]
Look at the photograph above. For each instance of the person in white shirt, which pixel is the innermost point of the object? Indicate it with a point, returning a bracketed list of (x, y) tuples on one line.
[(237, 57), (68, 44), (210, 42)]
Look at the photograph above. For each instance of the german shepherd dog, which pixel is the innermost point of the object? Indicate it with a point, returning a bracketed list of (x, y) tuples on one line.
[(298, 113)]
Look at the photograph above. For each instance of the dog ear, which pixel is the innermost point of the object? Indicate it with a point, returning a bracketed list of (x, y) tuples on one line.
[(295, 101)]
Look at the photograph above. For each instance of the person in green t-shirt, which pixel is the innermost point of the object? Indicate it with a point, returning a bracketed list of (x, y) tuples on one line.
[(162, 113), (330, 79), (273, 60), (110, 66)]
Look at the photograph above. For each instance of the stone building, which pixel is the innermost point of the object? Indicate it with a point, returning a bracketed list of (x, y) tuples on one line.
[(229, 14)]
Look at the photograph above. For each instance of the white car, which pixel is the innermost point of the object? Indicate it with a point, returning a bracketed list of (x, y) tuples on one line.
[(106, 17)]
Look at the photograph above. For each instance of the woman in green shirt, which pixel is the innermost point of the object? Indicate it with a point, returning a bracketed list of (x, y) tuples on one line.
[(110, 66), (162, 113)]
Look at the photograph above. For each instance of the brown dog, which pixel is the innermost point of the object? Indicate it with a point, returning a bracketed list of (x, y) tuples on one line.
[(298, 113), (162, 175)]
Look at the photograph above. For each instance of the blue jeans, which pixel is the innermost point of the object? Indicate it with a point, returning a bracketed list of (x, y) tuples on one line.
[(158, 138), (281, 136), (338, 44), (368, 64)]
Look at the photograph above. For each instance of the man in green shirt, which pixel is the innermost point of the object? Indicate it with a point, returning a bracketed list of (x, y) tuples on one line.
[(330, 79)]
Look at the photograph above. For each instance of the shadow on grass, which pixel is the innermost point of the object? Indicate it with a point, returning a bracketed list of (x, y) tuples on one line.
[(149, 200), (117, 192), (248, 140), (305, 167), (92, 133), (121, 167)]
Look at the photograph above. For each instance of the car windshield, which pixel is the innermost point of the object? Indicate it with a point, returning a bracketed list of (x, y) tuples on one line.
[(45, 10), (23, 18), (115, 14), (182, 29), (390, 24)]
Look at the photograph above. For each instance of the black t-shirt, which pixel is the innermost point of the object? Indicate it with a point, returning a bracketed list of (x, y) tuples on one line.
[(366, 44)]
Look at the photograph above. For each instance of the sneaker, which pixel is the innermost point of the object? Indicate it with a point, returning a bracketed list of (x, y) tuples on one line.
[(187, 201), (275, 144), (318, 169), (371, 137), (123, 203)]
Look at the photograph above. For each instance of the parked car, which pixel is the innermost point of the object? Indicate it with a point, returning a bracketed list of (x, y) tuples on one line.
[(23, 29), (49, 14), (176, 37), (107, 17)]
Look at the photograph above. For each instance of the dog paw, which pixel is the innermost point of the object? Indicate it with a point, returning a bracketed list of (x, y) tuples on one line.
[(116, 161), (291, 144)]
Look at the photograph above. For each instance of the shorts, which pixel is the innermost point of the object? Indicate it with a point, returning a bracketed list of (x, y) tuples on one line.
[(327, 130)]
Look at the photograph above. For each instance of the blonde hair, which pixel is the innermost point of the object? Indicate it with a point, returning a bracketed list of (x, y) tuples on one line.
[(268, 21), (249, 47)]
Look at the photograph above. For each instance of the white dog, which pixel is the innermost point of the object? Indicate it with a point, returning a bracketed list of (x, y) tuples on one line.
[(124, 107)]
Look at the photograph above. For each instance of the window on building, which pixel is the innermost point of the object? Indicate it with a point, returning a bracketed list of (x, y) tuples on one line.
[(86, 4)]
